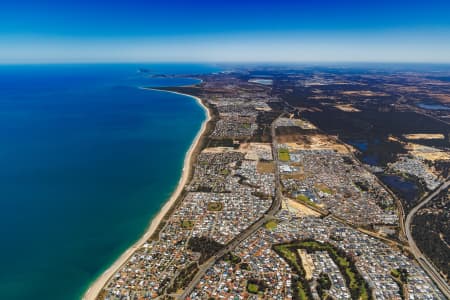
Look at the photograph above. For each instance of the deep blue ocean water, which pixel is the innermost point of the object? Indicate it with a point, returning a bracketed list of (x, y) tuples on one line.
[(86, 159)]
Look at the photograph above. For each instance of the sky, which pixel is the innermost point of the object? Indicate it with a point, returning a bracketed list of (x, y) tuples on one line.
[(36, 31)]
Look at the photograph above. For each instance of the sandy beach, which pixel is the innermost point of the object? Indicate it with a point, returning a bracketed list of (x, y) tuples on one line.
[(99, 283)]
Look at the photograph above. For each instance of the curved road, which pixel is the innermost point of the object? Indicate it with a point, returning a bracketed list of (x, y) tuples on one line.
[(276, 205), (421, 258), (274, 208)]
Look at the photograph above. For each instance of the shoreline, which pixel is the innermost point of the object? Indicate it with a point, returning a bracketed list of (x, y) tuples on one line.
[(95, 288)]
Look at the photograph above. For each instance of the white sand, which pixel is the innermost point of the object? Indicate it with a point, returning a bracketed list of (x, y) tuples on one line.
[(100, 282)]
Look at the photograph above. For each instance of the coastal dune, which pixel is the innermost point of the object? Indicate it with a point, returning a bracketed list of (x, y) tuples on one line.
[(96, 287)]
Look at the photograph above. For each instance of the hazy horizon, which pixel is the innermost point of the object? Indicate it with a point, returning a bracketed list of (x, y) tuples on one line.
[(256, 31)]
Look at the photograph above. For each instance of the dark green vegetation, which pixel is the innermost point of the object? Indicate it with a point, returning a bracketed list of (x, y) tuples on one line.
[(443, 167), (225, 172), (231, 258), (245, 266), (202, 143), (264, 120), (378, 117), (323, 285), (293, 131), (431, 231), (187, 224), (215, 206), (369, 130), (359, 289), (271, 225), (361, 185), (288, 252), (206, 246), (190, 90), (184, 277), (255, 286), (252, 288), (400, 276), (407, 188), (323, 188), (305, 200)]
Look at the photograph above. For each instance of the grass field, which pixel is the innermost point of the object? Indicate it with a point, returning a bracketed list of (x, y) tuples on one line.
[(187, 224), (253, 288), (305, 200), (358, 287), (283, 154), (215, 206), (301, 288), (271, 225), (323, 188)]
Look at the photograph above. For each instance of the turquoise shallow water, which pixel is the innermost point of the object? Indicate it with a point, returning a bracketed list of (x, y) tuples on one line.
[(86, 159)]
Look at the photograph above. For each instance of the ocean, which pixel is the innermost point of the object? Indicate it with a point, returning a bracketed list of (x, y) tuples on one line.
[(86, 159)]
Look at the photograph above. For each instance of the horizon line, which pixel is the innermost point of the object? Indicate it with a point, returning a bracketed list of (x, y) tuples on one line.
[(88, 62)]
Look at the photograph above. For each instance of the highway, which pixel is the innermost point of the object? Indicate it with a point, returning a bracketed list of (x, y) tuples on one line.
[(274, 208), (420, 257)]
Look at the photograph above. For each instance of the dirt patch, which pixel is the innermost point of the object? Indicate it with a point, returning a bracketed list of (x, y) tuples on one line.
[(364, 93), (307, 263), (443, 98), (312, 142), (424, 136), (427, 153), (347, 108), (300, 209), (218, 150), (265, 167), (256, 151)]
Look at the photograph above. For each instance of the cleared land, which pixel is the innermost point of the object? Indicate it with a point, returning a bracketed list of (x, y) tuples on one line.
[(265, 167), (347, 108), (364, 93), (315, 142), (424, 136), (427, 153), (301, 209)]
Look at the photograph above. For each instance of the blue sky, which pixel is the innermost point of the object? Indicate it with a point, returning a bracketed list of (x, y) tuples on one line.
[(301, 31)]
